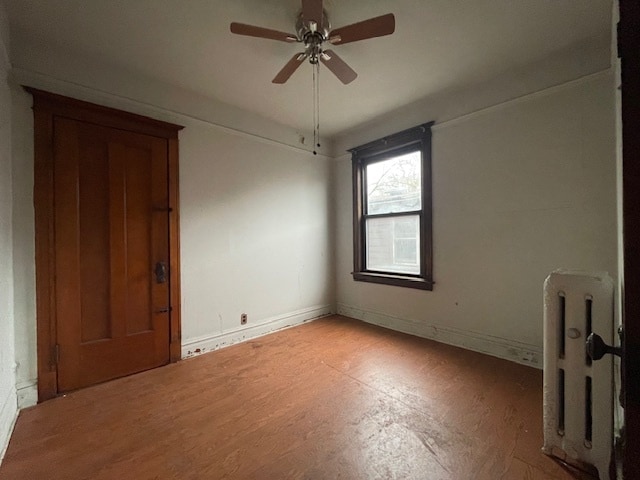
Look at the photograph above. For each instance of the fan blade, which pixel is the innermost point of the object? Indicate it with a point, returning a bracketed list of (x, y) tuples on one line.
[(374, 27), (312, 11), (253, 31), (291, 66), (339, 68)]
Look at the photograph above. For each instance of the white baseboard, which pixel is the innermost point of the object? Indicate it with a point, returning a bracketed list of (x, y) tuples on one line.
[(27, 394), (507, 349), (8, 416), (208, 343)]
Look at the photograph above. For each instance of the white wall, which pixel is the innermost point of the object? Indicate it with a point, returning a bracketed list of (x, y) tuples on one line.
[(23, 247), (255, 236), (255, 213), (91, 78), (565, 65), (8, 402), (519, 189)]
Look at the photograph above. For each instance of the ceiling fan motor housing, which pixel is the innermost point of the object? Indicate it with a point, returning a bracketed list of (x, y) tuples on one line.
[(313, 35)]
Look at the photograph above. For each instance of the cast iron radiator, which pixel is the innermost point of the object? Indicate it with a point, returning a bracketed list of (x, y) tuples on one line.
[(578, 392)]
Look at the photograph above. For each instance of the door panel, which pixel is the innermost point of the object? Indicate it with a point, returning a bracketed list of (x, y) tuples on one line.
[(94, 232), (111, 228)]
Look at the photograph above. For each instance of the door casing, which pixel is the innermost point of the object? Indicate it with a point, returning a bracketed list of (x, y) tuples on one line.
[(46, 107), (629, 53)]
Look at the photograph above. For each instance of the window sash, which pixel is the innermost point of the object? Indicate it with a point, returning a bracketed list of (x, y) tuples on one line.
[(390, 156), (384, 244)]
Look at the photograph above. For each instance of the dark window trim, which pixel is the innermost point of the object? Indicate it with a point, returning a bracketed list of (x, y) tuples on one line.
[(418, 137)]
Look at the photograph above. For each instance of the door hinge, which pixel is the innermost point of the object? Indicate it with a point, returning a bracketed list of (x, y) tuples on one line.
[(619, 41)]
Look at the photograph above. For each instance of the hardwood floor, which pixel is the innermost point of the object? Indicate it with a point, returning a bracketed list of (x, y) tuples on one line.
[(335, 398)]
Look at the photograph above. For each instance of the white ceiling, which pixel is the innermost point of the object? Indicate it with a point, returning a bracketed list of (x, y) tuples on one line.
[(438, 44)]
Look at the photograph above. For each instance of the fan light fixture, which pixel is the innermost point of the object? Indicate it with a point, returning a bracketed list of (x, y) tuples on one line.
[(313, 30)]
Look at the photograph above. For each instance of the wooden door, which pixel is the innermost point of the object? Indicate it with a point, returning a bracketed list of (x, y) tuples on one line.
[(107, 243), (629, 52), (111, 233)]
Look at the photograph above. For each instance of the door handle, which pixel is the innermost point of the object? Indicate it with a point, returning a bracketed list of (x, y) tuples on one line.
[(596, 348), (161, 272)]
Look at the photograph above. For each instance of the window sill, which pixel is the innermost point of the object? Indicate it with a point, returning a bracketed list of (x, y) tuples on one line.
[(395, 280)]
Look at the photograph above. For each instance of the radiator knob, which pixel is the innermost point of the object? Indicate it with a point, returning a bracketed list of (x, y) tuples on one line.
[(596, 348)]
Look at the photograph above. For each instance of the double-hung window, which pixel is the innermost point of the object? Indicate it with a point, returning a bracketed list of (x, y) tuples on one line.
[(392, 209)]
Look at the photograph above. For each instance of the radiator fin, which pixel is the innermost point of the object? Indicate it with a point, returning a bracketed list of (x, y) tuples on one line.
[(562, 325), (588, 329)]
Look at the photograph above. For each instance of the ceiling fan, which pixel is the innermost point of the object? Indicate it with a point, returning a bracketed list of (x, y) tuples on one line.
[(313, 30)]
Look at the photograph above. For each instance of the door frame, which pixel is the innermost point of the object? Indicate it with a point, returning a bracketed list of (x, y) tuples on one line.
[(629, 52), (47, 106)]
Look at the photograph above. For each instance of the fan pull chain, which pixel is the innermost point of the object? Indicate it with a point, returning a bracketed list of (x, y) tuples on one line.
[(318, 104), (316, 107), (315, 86)]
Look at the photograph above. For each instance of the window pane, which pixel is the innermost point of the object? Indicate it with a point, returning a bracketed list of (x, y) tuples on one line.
[(393, 244), (394, 185)]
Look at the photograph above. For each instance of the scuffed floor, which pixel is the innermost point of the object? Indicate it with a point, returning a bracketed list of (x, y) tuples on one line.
[(331, 399)]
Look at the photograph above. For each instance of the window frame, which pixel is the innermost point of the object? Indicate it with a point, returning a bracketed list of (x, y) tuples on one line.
[(410, 140)]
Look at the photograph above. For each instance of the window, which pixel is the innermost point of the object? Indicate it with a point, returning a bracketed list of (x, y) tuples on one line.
[(392, 210)]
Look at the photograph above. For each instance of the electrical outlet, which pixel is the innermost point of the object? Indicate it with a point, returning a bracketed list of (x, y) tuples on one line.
[(243, 319)]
